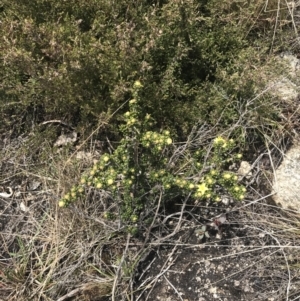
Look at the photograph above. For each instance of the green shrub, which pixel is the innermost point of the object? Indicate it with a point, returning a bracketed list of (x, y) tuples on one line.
[(75, 61), (146, 169)]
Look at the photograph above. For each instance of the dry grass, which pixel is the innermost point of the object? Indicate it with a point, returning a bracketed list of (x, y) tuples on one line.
[(75, 254), (48, 254)]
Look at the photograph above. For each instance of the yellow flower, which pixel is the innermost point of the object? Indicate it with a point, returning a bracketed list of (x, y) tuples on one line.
[(219, 140), (213, 172), (67, 197), (110, 181), (134, 218), (209, 180), (226, 176), (169, 141), (239, 156), (132, 101), (198, 194), (191, 186), (61, 203), (137, 84), (241, 197), (106, 158), (202, 188), (99, 185)]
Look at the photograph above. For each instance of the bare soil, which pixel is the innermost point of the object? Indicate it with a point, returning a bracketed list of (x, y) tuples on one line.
[(244, 262)]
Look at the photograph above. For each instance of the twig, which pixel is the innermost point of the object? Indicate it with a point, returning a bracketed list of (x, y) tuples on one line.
[(176, 291), (285, 258), (163, 270), (119, 269), (57, 121), (93, 132), (69, 294), (5, 194)]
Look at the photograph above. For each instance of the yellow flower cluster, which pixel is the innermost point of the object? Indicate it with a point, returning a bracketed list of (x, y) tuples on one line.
[(239, 192), (130, 117), (219, 141), (156, 140), (100, 176), (223, 143), (70, 196)]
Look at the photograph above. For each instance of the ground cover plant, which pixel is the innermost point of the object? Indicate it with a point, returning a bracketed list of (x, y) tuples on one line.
[(140, 167), (162, 100)]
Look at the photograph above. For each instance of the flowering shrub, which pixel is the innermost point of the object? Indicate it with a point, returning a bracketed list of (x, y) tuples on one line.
[(142, 166)]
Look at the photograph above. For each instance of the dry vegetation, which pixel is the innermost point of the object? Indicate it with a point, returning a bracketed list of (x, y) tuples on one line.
[(76, 254), (52, 254)]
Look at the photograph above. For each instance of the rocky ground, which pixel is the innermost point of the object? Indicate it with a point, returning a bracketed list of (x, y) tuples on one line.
[(193, 251), (241, 261)]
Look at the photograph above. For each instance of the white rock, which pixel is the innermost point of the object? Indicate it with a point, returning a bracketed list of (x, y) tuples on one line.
[(65, 139), (283, 87), (23, 207), (236, 283), (245, 170), (286, 186)]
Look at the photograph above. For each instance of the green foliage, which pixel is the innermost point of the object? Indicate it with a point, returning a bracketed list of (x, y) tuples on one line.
[(142, 168), (75, 60)]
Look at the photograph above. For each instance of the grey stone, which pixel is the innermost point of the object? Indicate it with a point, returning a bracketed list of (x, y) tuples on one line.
[(286, 184)]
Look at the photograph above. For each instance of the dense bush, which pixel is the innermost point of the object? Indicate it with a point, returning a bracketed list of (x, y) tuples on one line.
[(76, 60)]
